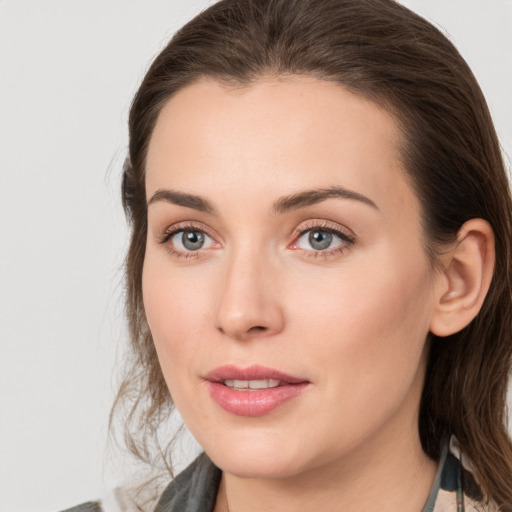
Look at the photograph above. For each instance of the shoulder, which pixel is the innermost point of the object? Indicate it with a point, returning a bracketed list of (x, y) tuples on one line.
[(140, 496), (456, 487), (193, 490), (90, 506)]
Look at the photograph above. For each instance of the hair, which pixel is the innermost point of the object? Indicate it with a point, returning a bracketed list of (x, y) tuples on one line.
[(381, 51)]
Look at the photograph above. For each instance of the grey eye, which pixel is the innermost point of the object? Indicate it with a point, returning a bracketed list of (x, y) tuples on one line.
[(319, 240), (191, 240)]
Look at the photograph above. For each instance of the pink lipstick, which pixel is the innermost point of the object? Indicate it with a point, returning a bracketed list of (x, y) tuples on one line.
[(252, 391)]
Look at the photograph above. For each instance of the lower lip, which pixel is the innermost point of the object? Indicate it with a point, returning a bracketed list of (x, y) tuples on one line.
[(254, 403)]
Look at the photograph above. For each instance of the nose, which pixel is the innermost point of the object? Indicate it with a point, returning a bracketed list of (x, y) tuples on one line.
[(249, 305)]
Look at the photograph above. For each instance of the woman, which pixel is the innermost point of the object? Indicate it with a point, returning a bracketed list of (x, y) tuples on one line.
[(319, 272)]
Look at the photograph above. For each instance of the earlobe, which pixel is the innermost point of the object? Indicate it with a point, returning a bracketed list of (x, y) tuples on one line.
[(465, 279)]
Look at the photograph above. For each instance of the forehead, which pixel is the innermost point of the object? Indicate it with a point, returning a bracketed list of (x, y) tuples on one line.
[(281, 135)]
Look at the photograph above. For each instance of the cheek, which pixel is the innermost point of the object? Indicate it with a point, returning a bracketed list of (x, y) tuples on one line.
[(367, 326), (365, 341), (176, 309)]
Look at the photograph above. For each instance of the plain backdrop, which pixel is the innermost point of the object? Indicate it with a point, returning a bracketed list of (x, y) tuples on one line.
[(68, 70)]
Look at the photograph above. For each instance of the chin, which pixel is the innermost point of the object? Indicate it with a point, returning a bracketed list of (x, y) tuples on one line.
[(258, 456), (258, 466)]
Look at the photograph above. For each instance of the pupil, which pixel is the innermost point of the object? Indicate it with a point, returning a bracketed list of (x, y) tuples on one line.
[(320, 240), (192, 240)]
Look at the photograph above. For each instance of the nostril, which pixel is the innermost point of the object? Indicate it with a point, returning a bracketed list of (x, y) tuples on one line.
[(257, 328)]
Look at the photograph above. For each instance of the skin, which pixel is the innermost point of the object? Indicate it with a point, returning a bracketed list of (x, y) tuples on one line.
[(351, 319)]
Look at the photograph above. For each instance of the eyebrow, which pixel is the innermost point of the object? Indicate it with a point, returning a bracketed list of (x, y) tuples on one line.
[(310, 197), (182, 199), (282, 205)]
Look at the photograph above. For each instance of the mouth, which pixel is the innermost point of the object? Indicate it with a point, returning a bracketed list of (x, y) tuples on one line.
[(252, 391), (252, 377), (252, 385)]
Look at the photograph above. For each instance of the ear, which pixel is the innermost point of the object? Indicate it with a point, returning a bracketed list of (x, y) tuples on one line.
[(465, 279)]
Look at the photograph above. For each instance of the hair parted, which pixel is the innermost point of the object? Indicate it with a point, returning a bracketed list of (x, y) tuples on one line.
[(382, 51)]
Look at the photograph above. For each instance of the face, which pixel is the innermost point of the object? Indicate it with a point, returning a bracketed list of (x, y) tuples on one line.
[(285, 281)]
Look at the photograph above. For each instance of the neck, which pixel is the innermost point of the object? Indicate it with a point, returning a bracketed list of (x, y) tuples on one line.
[(397, 480), (390, 472)]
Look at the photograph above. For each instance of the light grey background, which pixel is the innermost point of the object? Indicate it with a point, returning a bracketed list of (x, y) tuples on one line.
[(68, 70)]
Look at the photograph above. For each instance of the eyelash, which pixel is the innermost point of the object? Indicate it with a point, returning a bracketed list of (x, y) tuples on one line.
[(347, 240), (174, 230)]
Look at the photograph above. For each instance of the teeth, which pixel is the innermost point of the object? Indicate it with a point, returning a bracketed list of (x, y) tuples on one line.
[(263, 384), (251, 384)]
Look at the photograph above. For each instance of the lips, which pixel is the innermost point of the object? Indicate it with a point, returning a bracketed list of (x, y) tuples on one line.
[(252, 391)]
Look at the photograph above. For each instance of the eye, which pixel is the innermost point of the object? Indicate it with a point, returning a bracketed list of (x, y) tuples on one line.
[(319, 240), (186, 240), (323, 239)]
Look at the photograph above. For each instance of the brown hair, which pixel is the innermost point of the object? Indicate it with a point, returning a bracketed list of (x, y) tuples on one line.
[(384, 52)]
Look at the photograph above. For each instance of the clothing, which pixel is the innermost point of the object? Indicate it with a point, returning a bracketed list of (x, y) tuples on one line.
[(195, 489)]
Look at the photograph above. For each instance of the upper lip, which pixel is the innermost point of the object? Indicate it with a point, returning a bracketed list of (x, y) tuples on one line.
[(255, 372)]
